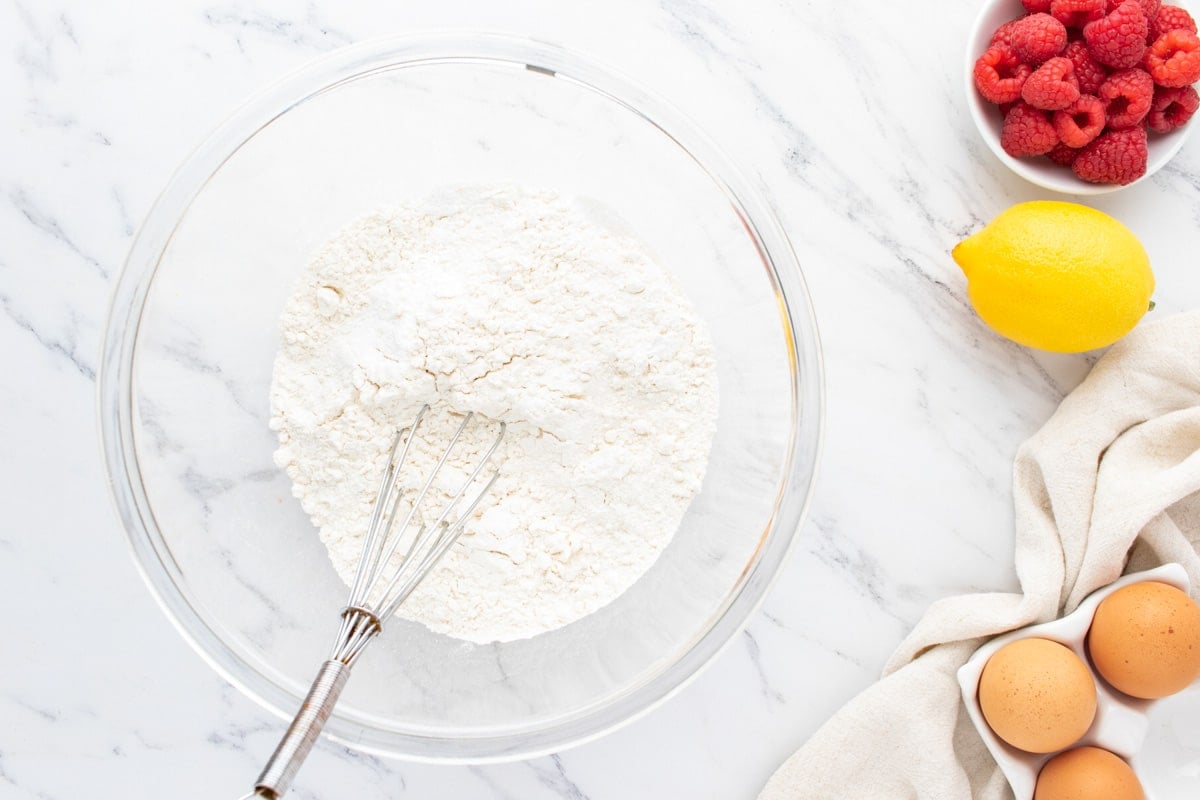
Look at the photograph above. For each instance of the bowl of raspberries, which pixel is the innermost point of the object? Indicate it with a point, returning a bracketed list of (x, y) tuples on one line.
[(1084, 96)]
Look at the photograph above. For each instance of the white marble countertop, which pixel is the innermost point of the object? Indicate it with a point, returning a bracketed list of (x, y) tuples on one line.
[(850, 114)]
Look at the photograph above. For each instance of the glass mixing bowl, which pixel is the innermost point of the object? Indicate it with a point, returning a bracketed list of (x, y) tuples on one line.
[(192, 333)]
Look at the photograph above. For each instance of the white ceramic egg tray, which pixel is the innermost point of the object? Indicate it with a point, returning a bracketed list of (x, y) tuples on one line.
[(1121, 721)]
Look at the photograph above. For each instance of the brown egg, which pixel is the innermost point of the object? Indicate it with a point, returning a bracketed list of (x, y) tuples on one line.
[(1037, 695), (1145, 640), (1087, 773)]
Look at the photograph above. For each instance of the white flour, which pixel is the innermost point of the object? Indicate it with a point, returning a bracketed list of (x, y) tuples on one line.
[(511, 304)]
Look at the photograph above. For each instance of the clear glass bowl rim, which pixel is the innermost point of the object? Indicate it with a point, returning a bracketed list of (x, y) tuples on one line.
[(151, 553)]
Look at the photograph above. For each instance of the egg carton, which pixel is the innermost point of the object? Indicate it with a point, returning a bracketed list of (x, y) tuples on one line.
[(1121, 721)]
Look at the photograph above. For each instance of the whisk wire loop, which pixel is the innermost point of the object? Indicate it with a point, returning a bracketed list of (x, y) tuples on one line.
[(387, 497), (404, 581)]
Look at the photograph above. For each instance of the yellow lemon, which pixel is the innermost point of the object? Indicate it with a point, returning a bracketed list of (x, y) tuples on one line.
[(1057, 276)]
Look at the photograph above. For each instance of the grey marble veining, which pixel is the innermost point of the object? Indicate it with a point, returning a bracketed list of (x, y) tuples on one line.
[(849, 114)]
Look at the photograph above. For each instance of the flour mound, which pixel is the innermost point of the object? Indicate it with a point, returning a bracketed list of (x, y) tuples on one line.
[(514, 305)]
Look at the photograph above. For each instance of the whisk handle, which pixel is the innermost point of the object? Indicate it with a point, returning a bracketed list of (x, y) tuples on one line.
[(277, 775)]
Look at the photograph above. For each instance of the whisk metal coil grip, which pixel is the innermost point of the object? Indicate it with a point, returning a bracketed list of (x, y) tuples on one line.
[(377, 593)]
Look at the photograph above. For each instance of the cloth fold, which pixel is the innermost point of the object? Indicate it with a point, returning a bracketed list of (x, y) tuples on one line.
[(1110, 484)]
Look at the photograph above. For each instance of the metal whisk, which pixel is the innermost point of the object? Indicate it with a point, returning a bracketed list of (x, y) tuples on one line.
[(376, 594)]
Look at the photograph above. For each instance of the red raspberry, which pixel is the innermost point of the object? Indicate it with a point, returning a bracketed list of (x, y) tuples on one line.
[(1089, 73), (1127, 95), (1151, 11), (1063, 155), (1027, 132), (1003, 34), (1119, 40), (999, 74), (1077, 13), (1114, 157), (1174, 59), (1052, 86), (1174, 18), (1038, 37), (1081, 123), (1149, 7), (1172, 108), (1036, 6)]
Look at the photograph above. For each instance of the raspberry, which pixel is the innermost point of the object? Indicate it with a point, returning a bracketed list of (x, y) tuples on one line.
[(1027, 132), (1038, 37), (1003, 34), (1119, 40), (1174, 59), (1077, 13), (1127, 95), (999, 74), (1036, 6), (1149, 7), (1114, 157), (1089, 73), (1063, 155), (1081, 123), (1052, 86), (1174, 18), (1172, 108)]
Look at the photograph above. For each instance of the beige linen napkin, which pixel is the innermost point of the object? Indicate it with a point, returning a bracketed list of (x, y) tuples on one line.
[(1110, 484)]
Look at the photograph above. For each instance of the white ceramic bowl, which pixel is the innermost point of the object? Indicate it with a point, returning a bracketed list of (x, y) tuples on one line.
[(1147, 733), (1042, 171)]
